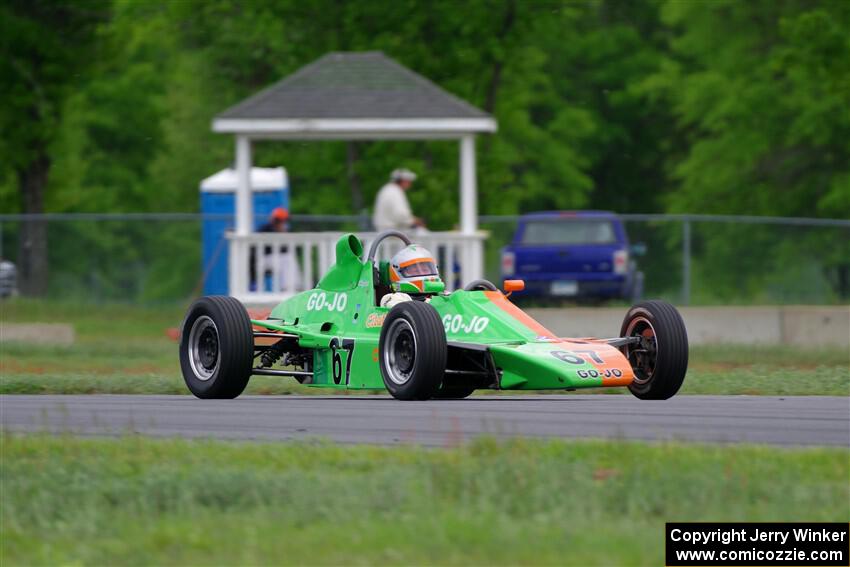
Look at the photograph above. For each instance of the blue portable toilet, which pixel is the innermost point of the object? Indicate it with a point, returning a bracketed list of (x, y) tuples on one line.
[(270, 186)]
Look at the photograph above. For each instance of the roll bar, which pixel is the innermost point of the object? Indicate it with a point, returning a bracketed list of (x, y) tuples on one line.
[(373, 249)]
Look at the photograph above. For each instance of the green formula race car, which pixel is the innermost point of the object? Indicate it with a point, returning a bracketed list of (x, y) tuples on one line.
[(373, 324)]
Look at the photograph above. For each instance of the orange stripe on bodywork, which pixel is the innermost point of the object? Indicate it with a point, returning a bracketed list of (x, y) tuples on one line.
[(416, 261), (502, 303), (626, 379), (611, 357)]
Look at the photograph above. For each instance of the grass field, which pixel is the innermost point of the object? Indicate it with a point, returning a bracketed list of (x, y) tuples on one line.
[(124, 349), (137, 501)]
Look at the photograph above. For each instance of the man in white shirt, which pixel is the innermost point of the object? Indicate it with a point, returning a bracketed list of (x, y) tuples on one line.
[(392, 210)]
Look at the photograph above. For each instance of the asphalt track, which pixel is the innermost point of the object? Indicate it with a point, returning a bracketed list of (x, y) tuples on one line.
[(794, 421)]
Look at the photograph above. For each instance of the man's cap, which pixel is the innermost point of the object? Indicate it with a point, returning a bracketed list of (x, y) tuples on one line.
[(402, 174), (280, 214)]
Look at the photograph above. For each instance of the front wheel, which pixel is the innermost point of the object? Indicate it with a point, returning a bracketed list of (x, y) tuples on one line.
[(412, 351), (216, 347), (480, 285), (660, 359)]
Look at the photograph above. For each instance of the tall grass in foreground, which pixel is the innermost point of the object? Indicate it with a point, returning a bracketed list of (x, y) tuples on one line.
[(137, 501)]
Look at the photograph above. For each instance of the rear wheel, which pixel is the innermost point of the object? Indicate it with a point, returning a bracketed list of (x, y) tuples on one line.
[(660, 359), (216, 347), (412, 351)]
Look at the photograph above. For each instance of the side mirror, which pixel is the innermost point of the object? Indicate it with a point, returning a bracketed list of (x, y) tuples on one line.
[(514, 285), (638, 249)]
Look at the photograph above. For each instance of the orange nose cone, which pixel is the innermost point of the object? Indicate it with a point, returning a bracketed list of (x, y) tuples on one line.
[(514, 285)]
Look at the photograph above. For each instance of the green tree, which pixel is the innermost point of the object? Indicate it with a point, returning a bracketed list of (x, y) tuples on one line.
[(760, 92), (649, 106), (46, 46), (486, 53)]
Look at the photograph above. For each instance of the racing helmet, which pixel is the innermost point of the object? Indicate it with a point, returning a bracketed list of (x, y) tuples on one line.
[(411, 268)]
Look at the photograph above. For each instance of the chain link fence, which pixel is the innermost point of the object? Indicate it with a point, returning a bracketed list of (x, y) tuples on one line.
[(689, 259), (712, 259)]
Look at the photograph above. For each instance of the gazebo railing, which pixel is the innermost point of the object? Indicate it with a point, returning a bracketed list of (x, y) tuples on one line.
[(269, 267)]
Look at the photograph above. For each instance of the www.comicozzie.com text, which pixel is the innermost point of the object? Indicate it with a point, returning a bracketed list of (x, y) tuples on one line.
[(756, 534)]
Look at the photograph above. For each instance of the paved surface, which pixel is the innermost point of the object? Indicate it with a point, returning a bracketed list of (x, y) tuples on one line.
[(58, 334), (811, 420)]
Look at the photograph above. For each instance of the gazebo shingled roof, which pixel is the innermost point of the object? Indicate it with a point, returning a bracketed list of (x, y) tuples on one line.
[(353, 85), (355, 96)]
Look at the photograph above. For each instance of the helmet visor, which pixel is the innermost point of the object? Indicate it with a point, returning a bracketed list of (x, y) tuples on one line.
[(424, 267)]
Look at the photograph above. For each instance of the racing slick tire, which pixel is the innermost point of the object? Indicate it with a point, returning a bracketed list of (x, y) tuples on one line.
[(660, 360), (480, 285), (216, 348), (412, 351), (455, 393)]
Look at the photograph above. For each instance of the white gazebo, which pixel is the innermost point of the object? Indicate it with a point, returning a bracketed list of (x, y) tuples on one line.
[(348, 96)]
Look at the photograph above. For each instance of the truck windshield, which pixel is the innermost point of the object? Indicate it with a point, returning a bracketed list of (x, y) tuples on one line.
[(572, 231)]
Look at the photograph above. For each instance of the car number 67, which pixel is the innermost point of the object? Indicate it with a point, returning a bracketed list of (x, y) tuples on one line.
[(336, 368), (572, 358)]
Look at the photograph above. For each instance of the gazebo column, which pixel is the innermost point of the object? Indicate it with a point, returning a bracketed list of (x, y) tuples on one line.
[(244, 203), (239, 256), (468, 189), (472, 258)]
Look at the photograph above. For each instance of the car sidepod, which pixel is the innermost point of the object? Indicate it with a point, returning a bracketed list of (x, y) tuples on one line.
[(525, 354)]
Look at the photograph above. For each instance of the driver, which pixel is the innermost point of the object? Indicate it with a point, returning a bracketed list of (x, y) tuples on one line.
[(409, 270)]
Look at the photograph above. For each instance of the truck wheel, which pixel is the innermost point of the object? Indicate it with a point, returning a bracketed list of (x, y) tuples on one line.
[(216, 347), (412, 351), (660, 360)]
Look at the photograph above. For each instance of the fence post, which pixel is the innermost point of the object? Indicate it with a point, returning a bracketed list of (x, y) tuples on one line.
[(686, 261), (364, 221)]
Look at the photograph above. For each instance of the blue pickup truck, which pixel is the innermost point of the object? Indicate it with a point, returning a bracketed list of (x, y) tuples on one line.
[(574, 255)]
